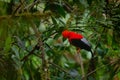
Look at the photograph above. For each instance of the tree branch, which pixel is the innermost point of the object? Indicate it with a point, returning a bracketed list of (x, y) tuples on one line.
[(36, 14)]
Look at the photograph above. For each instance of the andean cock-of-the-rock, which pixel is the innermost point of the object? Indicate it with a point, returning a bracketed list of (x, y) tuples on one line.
[(77, 40)]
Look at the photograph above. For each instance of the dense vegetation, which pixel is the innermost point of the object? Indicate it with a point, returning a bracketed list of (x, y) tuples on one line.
[(32, 47)]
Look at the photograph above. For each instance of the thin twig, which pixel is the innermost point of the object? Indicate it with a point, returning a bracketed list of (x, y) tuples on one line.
[(59, 67), (32, 4), (98, 69), (40, 43), (30, 53), (81, 64)]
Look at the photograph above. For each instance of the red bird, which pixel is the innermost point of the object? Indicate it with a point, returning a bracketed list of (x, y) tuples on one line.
[(77, 40)]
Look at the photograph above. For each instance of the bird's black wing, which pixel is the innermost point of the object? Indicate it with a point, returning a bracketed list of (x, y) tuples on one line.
[(81, 43)]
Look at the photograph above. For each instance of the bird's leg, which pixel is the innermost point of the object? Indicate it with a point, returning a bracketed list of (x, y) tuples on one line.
[(81, 63), (78, 50)]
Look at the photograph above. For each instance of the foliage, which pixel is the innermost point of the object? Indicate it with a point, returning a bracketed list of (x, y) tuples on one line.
[(32, 48)]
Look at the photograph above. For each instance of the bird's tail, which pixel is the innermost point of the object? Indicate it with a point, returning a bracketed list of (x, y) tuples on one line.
[(92, 64), (92, 53)]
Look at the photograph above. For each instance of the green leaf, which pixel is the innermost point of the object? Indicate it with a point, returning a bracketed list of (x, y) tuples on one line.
[(109, 37), (7, 44), (6, 1), (60, 10), (46, 8), (89, 2), (16, 51), (54, 21), (84, 2)]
